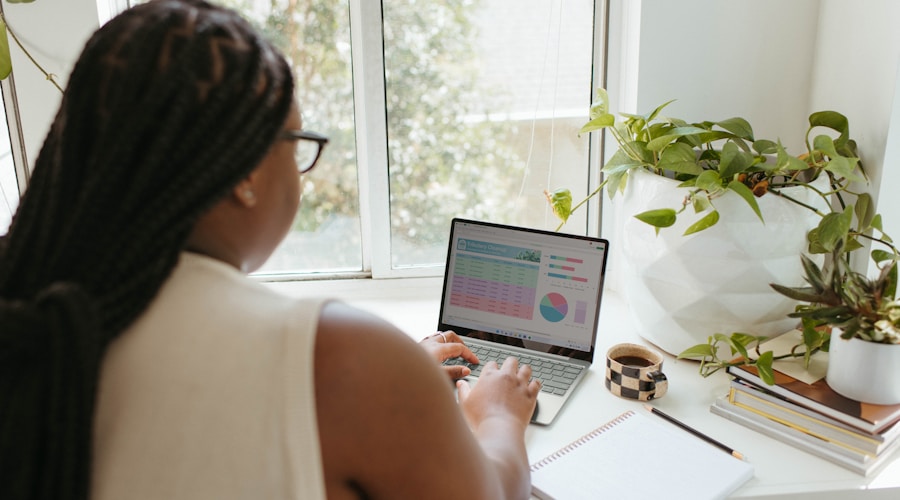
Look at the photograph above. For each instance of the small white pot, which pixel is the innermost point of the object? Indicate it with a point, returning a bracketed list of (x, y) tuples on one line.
[(864, 371)]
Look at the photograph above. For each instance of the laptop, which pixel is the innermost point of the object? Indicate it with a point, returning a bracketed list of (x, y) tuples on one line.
[(533, 294)]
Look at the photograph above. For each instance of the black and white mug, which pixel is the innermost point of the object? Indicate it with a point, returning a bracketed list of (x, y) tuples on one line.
[(635, 372)]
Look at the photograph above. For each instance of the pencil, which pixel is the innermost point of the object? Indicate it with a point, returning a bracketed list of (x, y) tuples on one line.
[(735, 454)]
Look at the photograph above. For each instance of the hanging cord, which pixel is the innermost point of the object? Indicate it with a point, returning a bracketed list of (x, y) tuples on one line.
[(547, 208), (49, 76), (537, 104)]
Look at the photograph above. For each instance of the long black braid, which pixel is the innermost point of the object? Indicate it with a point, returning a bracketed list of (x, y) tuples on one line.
[(169, 106)]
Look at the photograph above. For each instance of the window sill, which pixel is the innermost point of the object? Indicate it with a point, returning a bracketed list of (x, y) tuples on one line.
[(411, 304)]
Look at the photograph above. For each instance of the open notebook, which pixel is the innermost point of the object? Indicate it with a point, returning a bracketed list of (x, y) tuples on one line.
[(637, 455)]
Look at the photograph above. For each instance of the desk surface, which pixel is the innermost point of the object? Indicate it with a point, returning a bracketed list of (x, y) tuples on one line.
[(781, 471)]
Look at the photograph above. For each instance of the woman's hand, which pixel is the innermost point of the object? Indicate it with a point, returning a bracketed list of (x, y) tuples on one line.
[(504, 392), (446, 345)]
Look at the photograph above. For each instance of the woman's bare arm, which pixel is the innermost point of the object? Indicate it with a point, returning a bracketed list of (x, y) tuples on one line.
[(390, 426)]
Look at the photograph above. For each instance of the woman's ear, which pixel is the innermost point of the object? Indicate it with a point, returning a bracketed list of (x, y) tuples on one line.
[(244, 194)]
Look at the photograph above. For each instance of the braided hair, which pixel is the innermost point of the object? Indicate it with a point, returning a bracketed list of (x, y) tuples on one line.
[(169, 106)]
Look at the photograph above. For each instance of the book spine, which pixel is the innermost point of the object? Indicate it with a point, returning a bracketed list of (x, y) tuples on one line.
[(784, 402), (789, 439), (821, 429), (800, 399)]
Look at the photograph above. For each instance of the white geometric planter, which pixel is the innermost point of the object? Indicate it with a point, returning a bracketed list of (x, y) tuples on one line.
[(681, 289), (864, 371)]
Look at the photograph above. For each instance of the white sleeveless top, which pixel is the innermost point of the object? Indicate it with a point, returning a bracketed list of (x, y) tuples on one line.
[(210, 394)]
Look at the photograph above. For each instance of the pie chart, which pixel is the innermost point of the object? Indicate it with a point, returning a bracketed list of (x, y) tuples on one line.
[(554, 307)]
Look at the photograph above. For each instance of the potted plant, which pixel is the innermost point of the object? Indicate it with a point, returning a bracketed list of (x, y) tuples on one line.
[(710, 215), (853, 317)]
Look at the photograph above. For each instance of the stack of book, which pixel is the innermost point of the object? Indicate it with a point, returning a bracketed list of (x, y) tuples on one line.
[(813, 417)]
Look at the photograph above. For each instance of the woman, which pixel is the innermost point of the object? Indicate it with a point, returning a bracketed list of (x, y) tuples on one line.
[(136, 358)]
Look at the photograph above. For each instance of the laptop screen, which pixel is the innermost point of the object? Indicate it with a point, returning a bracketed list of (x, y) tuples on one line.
[(530, 288)]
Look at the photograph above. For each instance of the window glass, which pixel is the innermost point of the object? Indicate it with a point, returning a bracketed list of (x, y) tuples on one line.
[(9, 189), (484, 102), (315, 36)]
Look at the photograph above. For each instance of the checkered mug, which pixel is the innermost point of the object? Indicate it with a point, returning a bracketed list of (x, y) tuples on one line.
[(635, 372)]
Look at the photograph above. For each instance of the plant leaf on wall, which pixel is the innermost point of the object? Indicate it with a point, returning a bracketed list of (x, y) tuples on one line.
[(5, 58)]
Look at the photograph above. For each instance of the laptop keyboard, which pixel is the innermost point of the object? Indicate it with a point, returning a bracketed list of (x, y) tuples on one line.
[(556, 376)]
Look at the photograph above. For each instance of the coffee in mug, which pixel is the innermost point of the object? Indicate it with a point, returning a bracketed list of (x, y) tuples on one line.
[(635, 372)]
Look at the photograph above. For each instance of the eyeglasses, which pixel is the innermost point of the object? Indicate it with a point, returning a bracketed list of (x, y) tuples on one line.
[(308, 149)]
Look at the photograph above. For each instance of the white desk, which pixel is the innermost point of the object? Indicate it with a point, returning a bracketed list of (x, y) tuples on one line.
[(781, 470)]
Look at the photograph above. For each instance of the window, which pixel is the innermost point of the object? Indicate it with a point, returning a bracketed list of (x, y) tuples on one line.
[(9, 179), (434, 109)]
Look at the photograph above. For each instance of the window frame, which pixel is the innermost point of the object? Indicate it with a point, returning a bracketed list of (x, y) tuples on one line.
[(370, 114), (367, 43)]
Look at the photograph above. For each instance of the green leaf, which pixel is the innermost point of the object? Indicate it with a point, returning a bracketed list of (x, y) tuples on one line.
[(653, 114), (787, 161), (706, 222), (737, 347), (700, 202), (561, 203), (661, 217), (804, 294), (815, 247), (600, 122), (739, 127), (814, 275), (710, 181), (5, 59), (865, 210), (746, 339), (879, 256), (699, 351), (825, 144), (765, 147), (764, 367), (679, 158), (734, 161), (812, 338), (659, 143), (876, 223), (832, 120), (601, 105), (638, 151), (621, 162), (834, 227), (616, 182), (844, 167), (744, 192), (890, 289)]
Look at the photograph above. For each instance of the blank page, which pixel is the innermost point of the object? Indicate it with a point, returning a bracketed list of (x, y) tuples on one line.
[(637, 455)]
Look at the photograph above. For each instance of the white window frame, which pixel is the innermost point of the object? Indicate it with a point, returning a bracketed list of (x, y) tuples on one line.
[(370, 111), (367, 43)]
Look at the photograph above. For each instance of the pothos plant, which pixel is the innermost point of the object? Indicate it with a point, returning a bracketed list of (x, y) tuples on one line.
[(6, 59), (711, 158)]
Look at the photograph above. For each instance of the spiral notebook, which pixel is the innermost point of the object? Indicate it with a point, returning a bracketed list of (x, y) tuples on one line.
[(638, 456)]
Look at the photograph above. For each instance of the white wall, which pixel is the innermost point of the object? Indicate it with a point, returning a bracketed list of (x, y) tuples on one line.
[(71, 22), (771, 61), (856, 73)]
